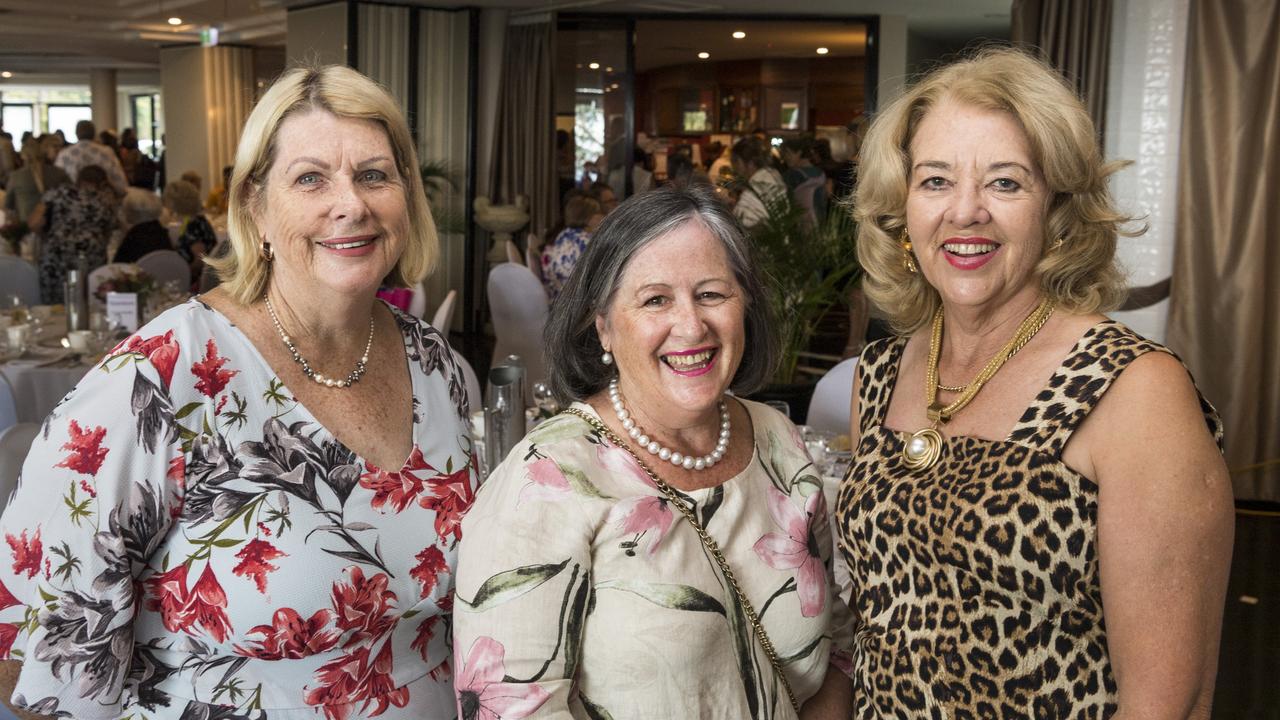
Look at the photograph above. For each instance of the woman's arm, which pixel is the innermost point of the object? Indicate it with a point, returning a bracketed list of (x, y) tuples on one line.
[(1165, 526), (833, 701), (523, 586)]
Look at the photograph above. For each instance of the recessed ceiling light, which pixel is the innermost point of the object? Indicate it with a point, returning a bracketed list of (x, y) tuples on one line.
[(6, 74), (704, 55), (608, 69), (175, 21), (614, 86), (823, 51), (594, 66), (738, 34)]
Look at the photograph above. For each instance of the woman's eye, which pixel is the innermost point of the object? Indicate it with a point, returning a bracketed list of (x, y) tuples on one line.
[(934, 183), (373, 176), (309, 179), (655, 301), (710, 295), (1005, 185)]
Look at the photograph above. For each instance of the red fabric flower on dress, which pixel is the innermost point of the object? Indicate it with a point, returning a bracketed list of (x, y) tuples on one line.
[(431, 563), (351, 679), (363, 605), (8, 632), (212, 377), (26, 553), (451, 497), (427, 629), (161, 350), (86, 449), (796, 548), (482, 693), (254, 562), (397, 489), (289, 637), (181, 610), (7, 600)]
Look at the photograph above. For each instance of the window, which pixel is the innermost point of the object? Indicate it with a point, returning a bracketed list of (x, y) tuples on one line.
[(65, 117), (18, 119)]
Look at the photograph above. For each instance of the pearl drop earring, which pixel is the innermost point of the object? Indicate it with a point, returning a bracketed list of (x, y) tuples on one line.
[(607, 358)]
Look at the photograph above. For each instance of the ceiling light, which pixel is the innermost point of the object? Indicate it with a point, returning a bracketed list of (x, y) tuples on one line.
[(704, 55), (6, 74), (175, 21), (823, 51), (738, 34), (608, 69), (614, 86), (594, 66)]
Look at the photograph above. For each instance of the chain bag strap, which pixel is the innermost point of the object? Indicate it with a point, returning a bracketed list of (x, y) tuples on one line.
[(710, 544)]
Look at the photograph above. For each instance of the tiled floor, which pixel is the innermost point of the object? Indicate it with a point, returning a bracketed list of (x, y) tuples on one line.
[(1249, 666)]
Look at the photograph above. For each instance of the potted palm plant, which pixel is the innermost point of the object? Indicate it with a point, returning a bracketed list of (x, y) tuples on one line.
[(808, 267)]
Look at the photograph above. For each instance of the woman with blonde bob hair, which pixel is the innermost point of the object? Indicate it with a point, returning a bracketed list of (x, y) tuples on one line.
[(262, 489), (1038, 519)]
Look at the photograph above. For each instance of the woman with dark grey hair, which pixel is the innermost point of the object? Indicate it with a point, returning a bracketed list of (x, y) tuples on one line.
[(661, 548)]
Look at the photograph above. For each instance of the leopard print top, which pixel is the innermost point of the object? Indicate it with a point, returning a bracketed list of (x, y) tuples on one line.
[(975, 583)]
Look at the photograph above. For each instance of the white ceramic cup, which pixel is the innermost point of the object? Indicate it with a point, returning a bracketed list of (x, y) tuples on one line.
[(18, 337), (80, 340)]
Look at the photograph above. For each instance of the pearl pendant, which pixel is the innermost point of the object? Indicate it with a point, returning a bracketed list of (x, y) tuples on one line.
[(922, 449)]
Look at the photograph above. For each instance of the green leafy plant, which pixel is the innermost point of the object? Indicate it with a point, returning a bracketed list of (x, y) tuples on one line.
[(808, 268)]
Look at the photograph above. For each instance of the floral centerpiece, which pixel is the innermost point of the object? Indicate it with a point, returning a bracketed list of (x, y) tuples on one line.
[(127, 280)]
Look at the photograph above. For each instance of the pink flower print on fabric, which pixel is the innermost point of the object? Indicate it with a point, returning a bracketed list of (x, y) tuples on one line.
[(647, 515), (546, 482), (482, 694), (796, 547)]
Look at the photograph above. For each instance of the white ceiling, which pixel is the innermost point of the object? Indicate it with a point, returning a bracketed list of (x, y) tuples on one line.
[(44, 38)]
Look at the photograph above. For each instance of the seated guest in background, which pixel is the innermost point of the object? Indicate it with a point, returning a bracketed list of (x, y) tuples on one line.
[(37, 176), (1038, 488), (9, 160), (291, 532), (194, 178), (88, 151), (806, 181), (216, 203), (140, 169), (73, 220), (621, 611), (581, 215), (195, 236), (758, 183), (145, 235), (680, 169), (604, 195)]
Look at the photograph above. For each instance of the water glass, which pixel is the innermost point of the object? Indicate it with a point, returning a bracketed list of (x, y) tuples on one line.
[(18, 337)]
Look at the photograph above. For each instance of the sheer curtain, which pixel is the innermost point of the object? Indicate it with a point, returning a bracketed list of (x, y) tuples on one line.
[(1074, 36), (525, 159), (1224, 317)]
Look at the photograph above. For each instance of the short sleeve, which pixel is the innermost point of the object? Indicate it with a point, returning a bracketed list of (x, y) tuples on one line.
[(96, 497), (523, 584)]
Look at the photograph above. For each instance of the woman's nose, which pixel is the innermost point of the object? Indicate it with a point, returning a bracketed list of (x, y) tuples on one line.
[(968, 206), (689, 323), (348, 202)]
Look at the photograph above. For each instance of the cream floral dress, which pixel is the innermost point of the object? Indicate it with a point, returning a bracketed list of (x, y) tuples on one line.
[(582, 593)]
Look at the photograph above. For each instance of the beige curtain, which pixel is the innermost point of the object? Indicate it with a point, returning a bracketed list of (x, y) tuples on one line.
[(382, 44), (1074, 36), (525, 161), (1224, 315)]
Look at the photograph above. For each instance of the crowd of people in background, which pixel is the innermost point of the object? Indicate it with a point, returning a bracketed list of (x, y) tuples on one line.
[(102, 199)]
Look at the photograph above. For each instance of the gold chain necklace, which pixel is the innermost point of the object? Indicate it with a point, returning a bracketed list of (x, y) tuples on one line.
[(925, 445)]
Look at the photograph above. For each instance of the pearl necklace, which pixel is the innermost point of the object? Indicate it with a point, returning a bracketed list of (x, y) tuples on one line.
[(688, 462), (352, 377)]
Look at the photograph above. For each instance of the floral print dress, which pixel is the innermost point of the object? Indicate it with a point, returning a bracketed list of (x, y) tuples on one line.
[(79, 222), (186, 541), (583, 594), (560, 257)]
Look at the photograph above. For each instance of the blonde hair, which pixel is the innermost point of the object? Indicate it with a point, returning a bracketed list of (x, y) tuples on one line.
[(343, 92), (1082, 276), (183, 198)]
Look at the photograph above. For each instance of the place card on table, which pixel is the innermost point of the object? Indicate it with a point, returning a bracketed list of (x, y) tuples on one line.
[(122, 310)]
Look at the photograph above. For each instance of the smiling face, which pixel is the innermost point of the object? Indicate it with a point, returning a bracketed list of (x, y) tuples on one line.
[(976, 206), (333, 206), (675, 327)]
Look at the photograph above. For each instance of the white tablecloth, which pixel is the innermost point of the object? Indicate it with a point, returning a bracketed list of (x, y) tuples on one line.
[(36, 390)]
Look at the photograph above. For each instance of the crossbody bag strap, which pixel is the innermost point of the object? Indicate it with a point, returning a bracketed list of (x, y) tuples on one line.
[(710, 544)]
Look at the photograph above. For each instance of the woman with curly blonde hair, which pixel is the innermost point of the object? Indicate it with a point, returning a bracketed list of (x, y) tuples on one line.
[(1038, 520)]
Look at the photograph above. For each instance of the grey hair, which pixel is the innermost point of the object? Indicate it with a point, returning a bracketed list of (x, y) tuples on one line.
[(141, 206), (570, 341)]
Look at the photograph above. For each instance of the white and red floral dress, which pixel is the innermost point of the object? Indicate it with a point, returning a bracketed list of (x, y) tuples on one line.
[(187, 541)]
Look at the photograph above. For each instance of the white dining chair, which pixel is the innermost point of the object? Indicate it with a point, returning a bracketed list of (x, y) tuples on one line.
[(513, 253), (532, 256), (442, 320), (418, 303), (519, 307), (8, 405), (19, 277), (15, 442), (99, 275), (166, 266), (474, 400), (829, 410)]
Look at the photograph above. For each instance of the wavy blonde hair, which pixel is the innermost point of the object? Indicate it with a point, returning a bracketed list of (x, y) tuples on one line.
[(339, 90), (1083, 275)]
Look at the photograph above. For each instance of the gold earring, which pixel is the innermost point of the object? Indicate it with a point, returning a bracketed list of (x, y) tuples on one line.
[(908, 260), (267, 253), (1057, 244)]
